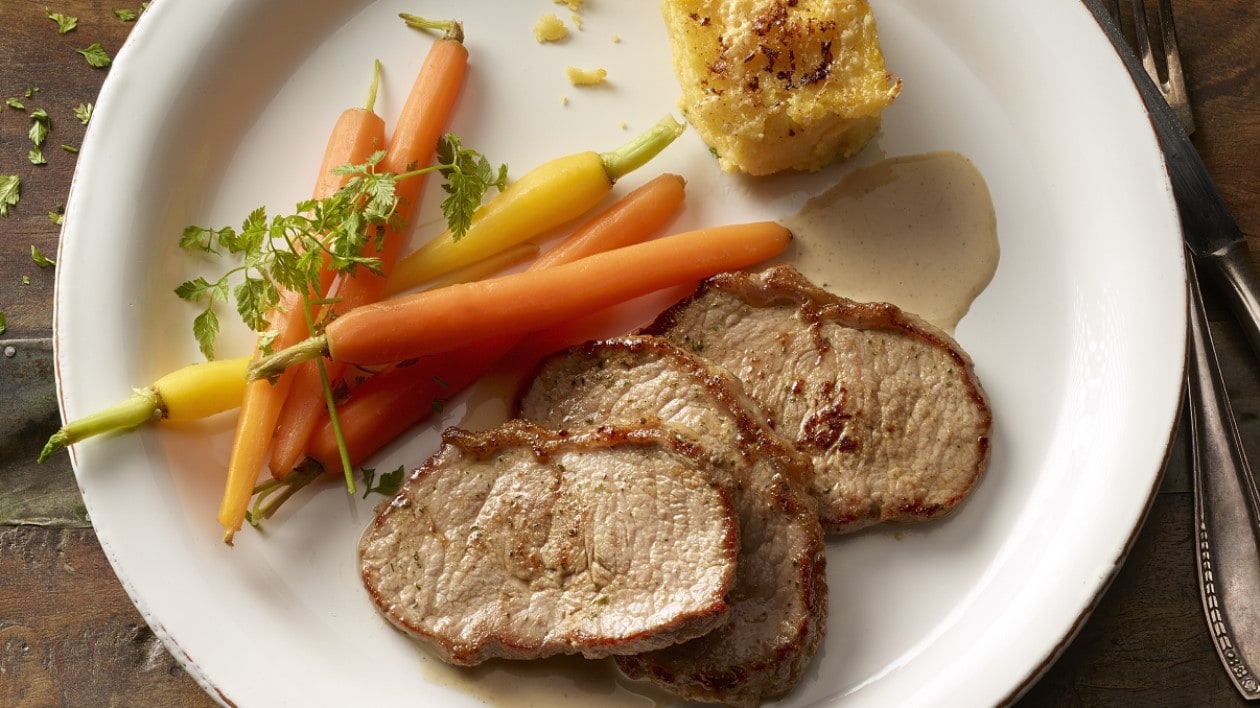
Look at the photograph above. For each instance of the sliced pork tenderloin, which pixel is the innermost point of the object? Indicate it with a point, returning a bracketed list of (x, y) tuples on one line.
[(887, 404), (779, 602), (521, 543)]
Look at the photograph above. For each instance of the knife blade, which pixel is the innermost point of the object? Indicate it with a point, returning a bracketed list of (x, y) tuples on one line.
[(1210, 232)]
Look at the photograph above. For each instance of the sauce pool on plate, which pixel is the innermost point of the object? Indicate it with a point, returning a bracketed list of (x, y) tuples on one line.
[(916, 231)]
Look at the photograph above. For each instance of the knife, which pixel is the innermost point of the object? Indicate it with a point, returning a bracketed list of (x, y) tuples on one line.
[(1210, 232)]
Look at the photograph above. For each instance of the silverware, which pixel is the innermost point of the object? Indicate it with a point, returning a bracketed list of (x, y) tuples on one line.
[(1211, 233), (1227, 504)]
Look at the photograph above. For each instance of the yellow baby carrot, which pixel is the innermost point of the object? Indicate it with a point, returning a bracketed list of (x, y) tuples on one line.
[(547, 196)]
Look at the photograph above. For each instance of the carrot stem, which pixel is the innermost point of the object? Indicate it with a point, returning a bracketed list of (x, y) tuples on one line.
[(141, 407), (450, 29), (636, 153)]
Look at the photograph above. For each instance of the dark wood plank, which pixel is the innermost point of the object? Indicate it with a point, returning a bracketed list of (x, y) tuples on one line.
[(68, 634)]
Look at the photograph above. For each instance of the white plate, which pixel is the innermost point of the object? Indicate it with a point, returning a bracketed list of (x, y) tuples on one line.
[(214, 108)]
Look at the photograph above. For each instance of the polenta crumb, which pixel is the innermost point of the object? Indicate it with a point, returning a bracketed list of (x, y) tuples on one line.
[(564, 100), (616, 38), (550, 29), (577, 20), (586, 77), (573, 5)]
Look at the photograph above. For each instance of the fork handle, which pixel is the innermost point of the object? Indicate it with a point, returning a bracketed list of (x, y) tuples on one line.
[(1226, 509), (1232, 267)]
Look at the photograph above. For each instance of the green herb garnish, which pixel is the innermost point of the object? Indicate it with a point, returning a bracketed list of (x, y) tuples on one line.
[(40, 125), (125, 14), (96, 56), (388, 484), (83, 112), (468, 177), (10, 192), (286, 252), (40, 259), (65, 23)]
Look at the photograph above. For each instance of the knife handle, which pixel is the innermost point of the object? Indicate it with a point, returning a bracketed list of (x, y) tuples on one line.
[(1226, 505), (1232, 267)]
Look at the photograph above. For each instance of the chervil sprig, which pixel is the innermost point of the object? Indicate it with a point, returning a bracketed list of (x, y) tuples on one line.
[(287, 252)]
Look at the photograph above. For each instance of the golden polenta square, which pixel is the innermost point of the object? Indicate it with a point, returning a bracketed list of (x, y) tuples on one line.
[(775, 85)]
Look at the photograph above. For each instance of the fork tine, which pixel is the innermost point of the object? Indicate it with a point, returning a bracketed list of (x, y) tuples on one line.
[(1175, 89), (1142, 31)]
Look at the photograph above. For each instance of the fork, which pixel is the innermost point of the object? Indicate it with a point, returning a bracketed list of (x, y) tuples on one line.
[(1173, 86), (1226, 501)]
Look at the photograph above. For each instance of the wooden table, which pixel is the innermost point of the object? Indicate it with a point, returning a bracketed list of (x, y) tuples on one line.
[(69, 635)]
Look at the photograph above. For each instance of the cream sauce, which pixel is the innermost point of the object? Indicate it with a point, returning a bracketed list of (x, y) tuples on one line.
[(917, 231), (558, 682)]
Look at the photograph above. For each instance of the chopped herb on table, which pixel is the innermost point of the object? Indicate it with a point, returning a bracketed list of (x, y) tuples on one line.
[(96, 56), (10, 192), (65, 23), (40, 259)]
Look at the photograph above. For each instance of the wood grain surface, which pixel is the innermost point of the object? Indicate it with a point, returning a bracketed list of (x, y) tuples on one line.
[(70, 636)]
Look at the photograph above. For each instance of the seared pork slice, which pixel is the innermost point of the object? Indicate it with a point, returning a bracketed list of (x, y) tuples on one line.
[(779, 603), (888, 405), (521, 543)]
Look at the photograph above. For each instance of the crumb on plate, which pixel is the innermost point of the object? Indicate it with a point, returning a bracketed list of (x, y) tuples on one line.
[(586, 77), (550, 28)]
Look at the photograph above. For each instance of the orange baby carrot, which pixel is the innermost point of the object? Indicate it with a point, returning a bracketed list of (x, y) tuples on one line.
[(421, 122), (357, 134), (393, 401), (388, 404), (441, 320), (628, 221)]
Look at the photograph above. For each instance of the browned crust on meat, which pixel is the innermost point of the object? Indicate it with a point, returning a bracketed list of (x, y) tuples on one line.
[(784, 286), (755, 438), (543, 445), (737, 663)]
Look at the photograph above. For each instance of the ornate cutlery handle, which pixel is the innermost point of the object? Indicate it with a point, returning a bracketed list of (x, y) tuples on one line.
[(1225, 509)]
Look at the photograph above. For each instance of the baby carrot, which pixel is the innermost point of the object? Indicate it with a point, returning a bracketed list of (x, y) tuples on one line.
[(191, 393), (357, 134), (393, 401), (450, 318), (629, 220), (420, 124), (547, 196), (386, 405)]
